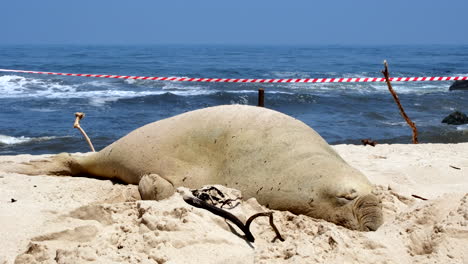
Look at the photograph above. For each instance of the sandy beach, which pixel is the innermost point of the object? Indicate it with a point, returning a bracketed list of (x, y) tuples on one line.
[(423, 188)]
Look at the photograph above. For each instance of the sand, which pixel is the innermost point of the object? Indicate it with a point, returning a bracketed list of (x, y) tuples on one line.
[(48, 219)]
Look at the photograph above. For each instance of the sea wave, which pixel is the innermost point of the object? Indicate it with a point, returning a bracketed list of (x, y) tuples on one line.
[(98, 83), (19, 86), (9, 140), (288, 74), (463, 128), (12, 86), (15, 86), (153, 83), (369, 87)]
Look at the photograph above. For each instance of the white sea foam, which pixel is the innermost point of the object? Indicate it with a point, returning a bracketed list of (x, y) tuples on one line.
[(463, 127), (43, 110), (100, 83), (12, 86), (418, 88), (8, 140), (168, 86), (369, 87), (133, 81), (403, 88), (153, 83), (114, 95), (288, 74), (397, 123), (243, 99), (102, 91)]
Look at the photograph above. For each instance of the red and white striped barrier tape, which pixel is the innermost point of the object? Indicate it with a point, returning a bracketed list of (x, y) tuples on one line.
[(308, 80)]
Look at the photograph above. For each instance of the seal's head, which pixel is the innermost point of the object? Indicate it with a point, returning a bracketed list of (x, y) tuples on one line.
[(351, 205)]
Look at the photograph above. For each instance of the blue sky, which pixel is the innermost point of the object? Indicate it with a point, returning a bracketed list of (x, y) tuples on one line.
[(300, 22)]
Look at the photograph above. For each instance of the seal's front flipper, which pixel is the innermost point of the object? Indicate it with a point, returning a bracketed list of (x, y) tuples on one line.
[(154, 187)]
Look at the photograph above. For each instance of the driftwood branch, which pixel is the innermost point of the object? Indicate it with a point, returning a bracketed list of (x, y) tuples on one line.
[(227, 215), (419, 197), (193, 201), (205, 194), (397, 100), (370, 142), (270, 215), (79, 116)]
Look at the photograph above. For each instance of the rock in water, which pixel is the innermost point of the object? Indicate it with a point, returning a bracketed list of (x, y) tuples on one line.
[(459, 85), (456, 118)]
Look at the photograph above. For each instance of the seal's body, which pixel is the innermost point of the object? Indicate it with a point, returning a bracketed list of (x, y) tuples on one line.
[(275, 158)]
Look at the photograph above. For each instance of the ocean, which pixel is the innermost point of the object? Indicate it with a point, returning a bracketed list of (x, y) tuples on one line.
[(37, 111)]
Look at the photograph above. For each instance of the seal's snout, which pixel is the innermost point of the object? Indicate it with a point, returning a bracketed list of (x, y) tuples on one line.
[(368, 212)]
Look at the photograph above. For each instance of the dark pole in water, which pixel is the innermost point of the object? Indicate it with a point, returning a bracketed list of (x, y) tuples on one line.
[(261, 97)]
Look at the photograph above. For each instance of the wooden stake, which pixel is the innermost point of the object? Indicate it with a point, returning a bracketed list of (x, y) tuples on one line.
[(79, 116), (261, 97), (402, 111)]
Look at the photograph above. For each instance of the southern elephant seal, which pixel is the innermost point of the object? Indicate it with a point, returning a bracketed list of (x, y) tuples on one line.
[(268, 155)]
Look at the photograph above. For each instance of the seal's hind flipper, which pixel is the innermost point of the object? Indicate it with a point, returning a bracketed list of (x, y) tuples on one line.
[(62, 164)]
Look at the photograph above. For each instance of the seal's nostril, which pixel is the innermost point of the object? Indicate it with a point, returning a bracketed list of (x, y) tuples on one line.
[(370, 227)]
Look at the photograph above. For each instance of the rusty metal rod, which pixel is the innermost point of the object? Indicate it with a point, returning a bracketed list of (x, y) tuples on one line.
[(397, 101)]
